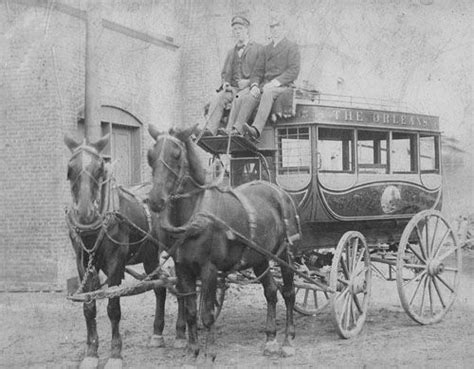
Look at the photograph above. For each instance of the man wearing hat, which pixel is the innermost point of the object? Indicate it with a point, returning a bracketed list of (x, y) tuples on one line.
[(238, 67), (275, 72)]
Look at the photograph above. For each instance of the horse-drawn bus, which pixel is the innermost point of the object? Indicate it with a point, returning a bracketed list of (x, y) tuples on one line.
[(366, 180), (336, 189)]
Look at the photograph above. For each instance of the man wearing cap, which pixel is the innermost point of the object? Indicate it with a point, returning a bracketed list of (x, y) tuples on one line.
[(277, 70), (238, 67)]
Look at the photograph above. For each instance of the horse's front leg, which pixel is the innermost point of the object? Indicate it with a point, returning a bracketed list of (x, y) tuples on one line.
[(91, 360), (150, 264), (288, 293), (208, 298), (270, 289), (180, 340), (186, 287), (115, 273), (157, 340), (115, 314)]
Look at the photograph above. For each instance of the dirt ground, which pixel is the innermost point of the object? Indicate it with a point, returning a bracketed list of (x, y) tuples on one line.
[(44, 330)]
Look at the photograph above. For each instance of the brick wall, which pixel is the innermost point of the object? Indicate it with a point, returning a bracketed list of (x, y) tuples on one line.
[(388, 49), (42, 97)]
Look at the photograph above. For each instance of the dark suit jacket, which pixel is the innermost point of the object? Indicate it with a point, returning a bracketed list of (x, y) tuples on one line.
[(281, 62), (250, 55)]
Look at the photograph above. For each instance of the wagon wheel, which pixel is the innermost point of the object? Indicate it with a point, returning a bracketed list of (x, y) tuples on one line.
[(428, 267), (351, 279), (309, 301)]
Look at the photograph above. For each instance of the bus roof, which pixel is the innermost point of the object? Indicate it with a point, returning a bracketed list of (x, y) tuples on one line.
[(360, 112)]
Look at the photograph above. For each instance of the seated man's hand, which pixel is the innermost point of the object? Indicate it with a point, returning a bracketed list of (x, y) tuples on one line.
[(271, 84), (255, 91), (243, 83)]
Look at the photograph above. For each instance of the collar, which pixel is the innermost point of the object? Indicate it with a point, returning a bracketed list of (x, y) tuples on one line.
[(275, 43), (243, 46)]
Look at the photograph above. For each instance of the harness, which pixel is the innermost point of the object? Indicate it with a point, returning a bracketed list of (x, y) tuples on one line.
[(200, 220), (109, 216)]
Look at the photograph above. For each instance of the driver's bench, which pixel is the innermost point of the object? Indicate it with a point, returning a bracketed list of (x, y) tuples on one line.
[(250, 160)]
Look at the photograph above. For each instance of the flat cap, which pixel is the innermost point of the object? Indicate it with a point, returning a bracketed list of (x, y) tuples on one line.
[(238, 19)]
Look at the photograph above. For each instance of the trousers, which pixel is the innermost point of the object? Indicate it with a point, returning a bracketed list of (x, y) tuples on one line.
[(216, 108), (247, 103)]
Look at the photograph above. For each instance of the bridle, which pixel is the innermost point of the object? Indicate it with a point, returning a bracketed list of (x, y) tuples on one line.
[(183, 172), (93, 152), (99, 182)]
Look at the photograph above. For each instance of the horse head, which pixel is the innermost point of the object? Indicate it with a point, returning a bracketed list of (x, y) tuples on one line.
[(86, 174), (173, 161)]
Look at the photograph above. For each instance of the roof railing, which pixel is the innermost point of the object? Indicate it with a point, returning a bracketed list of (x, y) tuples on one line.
[(314, 97)]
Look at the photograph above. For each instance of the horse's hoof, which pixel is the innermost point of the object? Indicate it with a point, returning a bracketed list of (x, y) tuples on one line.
[(271, 348), (89, 362), (211, 357), (156, 341), (113, 363), (288, 351), (180, 343), (193, 350)]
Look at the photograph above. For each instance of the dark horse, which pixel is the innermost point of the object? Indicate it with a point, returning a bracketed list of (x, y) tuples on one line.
[(217, 226), (108, 229)]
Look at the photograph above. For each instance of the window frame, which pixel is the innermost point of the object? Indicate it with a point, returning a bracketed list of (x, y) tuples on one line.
[(353, 165), (375, 165), (437, 152), (414, 157)]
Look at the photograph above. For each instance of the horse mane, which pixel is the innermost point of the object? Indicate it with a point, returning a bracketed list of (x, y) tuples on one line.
[(196, 168)]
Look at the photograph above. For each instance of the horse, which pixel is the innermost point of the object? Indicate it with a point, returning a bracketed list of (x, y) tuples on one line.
[(109, 228), (222, 230)]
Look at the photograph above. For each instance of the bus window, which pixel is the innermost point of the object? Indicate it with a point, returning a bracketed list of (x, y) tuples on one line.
[(335, 150), (429, 153), (403, 152), (293, 157), (372, 151)]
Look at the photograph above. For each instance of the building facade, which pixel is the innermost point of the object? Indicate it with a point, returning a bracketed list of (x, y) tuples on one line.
[(160, 63), (43, 98)]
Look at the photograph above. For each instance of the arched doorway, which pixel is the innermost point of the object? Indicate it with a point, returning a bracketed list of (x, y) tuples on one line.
[(124, 148)]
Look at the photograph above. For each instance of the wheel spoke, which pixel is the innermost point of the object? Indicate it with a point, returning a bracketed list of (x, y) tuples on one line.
[(445, 283), (417, 288), (348, 257), (360, 271), (450, 269), (341, 296), (420, 238), (439, 293), (346, 308), (344, 268), (343, 281), (354, 254), (305, 300), (430, 294), (427, 234), (416, 253), (361, 256), (415, 277), (353, 312), (315, 297), (447, 254), (357, 303), (423, 296), (414, 266), (438, 247), (344, 292), (434, 236)]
